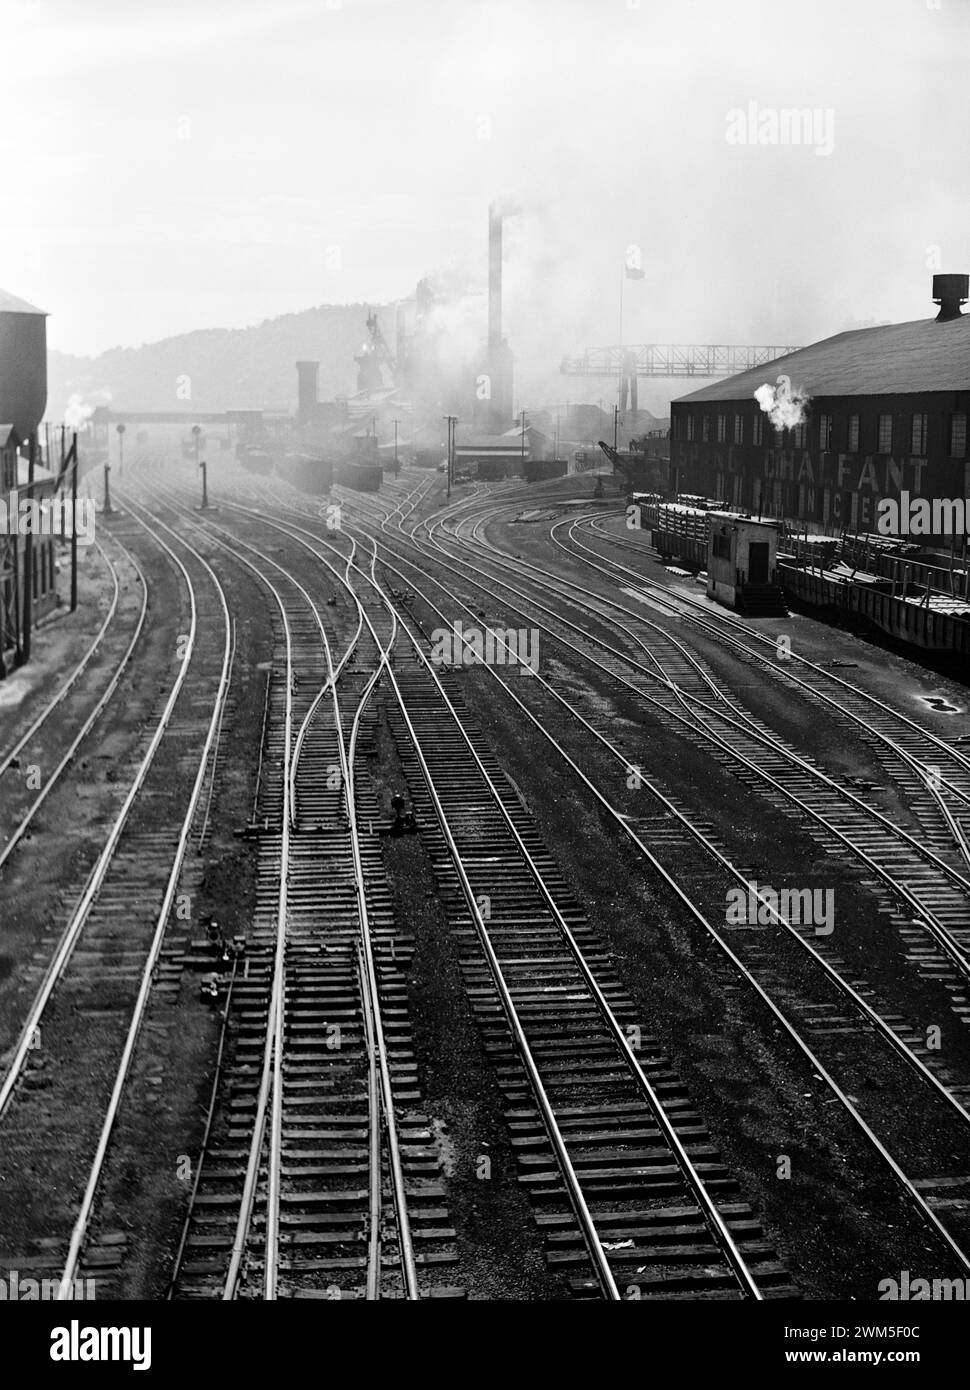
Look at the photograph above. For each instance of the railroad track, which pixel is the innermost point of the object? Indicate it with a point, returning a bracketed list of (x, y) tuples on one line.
[(934, 773), (51, 743), (64, 1083), (931, 1190), (590, 1113), (308, 1179), (935, 892)]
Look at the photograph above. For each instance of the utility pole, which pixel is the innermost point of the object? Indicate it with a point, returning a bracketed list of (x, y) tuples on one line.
[(452, 422), (397, 466), (522, 417), (74, 526), (616, 420)]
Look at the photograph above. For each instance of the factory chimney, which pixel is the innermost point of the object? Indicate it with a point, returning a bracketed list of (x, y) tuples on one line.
[(499, 410), (494, 277), (950, 291), (308, 384)]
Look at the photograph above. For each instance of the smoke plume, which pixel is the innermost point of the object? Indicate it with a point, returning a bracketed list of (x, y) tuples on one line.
[(785, 406)]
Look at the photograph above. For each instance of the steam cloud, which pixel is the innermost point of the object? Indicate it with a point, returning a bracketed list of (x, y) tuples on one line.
[(784, 405), (78, 412)]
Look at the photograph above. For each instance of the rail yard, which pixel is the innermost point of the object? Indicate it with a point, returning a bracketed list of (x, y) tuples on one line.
[(376, 969), (484, 686)]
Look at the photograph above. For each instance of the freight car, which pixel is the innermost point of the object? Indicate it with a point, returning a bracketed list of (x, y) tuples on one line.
[(254, 460), (679, 530), (308, 472), (540, 470), (362, 477), (905, 604), (907, 598)]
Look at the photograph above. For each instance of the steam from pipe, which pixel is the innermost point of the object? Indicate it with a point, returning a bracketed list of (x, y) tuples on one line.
[(784, 405)]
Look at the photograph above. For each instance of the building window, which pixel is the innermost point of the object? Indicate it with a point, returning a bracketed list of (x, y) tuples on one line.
[(690, 428), (705, 429), (721, 429), (958, 435), (758, 429), (798, 436), (919, 435), (738, 427), (825, 433), (853, 444), (885, 434), (721, 546)]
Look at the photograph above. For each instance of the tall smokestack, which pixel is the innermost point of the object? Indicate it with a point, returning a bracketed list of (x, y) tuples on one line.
[(499, 368), (307, 377), (494, 277)]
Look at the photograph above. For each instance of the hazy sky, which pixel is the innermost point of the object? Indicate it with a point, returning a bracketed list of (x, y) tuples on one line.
[(178, 164)]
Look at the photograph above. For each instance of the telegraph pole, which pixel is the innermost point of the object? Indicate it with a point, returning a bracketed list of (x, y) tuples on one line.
[(616, 420), (522, 418), (74, 526), (452, 422), (397, 466)]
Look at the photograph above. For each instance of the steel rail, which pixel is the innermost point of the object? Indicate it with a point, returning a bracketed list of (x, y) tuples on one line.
[(403, 1225), (98, 873), (79, 669), (161, 925), (951, 947), (88, 724)]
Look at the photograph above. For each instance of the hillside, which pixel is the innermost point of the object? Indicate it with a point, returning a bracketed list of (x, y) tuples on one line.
[(227, 367)]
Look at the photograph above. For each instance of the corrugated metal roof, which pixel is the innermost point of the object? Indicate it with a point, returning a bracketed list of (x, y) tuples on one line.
[(10, 304), (894, 359)]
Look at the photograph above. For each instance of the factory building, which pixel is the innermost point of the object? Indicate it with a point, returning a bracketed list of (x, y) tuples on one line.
[(886, 415), (27, 566)]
